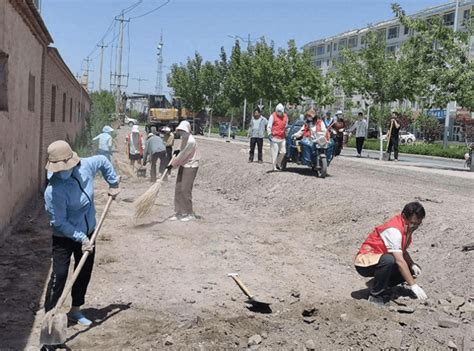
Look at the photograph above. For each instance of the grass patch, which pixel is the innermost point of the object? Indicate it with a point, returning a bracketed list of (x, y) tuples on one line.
[(453, 151)]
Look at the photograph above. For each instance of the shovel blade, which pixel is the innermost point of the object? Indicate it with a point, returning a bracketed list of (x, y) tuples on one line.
[(53, 329)]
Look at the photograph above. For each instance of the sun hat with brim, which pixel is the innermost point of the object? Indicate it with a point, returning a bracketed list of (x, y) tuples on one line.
[(61, 157), (107, 129)]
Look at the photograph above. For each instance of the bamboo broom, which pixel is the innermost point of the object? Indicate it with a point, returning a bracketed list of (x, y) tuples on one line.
[(145, 202)]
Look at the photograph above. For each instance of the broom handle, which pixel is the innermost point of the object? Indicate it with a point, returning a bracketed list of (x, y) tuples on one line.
[(66, 291)]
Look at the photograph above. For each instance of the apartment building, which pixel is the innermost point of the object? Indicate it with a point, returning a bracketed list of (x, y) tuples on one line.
[(327, 51)]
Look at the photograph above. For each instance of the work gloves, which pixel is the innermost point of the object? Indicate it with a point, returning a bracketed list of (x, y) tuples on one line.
[(418, 291), (144, 163), (114, 192), (87, 246), (416, 270), (175, 153), (169, 167)]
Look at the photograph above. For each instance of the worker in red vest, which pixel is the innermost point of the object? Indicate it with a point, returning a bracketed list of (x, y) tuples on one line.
[(384, 255), (276, 130), (309, 132)]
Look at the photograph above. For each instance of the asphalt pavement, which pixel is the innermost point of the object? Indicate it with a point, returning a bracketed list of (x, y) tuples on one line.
[(404, 159)]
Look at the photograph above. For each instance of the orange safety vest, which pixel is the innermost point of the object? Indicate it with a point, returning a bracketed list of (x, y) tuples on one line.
[(307, 130), (374, 245), (140, 144), (279, 126)]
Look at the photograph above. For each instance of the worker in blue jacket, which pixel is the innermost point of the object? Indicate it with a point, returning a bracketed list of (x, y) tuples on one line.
[(69, 201)]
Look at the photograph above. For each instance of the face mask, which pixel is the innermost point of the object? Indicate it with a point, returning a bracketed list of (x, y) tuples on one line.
[(279, 114), (309, 121), (65, 174)]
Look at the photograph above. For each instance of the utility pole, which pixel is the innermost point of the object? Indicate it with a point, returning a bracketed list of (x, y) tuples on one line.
[(118, 93), (159, 70), (85, 74), (139, 79), (447, 117), (102, 47)]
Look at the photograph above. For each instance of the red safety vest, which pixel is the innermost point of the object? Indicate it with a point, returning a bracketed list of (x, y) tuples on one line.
[(279, 126), (307, 130), (374, 243), (140, 145)]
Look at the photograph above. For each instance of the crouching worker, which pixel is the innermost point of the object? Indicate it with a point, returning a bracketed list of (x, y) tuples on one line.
[(384, 254), (155, 150), (69, 201)]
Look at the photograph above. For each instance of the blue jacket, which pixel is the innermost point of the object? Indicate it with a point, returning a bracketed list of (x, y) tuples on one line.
[(70, 202), (105, 141)]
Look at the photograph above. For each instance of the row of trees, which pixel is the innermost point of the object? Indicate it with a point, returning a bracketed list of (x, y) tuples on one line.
[(432, 68), (259, 73)]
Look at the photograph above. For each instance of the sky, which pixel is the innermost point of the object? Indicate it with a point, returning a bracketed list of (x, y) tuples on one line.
[(203, 26)]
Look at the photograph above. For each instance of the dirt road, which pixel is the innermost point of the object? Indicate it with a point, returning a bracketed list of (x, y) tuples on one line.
[(292, 237)]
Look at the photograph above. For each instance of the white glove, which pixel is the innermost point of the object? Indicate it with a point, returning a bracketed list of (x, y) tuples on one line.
[(418, 291), (416, 270), (87, 246)]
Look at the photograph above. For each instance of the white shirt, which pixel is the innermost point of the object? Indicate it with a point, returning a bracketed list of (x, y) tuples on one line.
[(392, 239)]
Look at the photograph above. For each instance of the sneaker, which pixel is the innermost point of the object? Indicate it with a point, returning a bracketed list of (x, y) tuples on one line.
[(260, 161), (395, 160), (377, 300), (250, 161), (176, 217), (79, 318), (188, 218), (359, 155)]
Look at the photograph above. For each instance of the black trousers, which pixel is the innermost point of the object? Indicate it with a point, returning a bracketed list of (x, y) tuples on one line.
[(339, 141), (63, 249), (169, 154), (385, 272), (359, 144), (259, 142), (393, 144)]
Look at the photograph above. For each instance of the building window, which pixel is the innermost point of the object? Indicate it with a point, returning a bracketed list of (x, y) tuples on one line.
[(393, 32), (70, 110), (448, 19), (342, 44), (64, 107), (31, 92), (318, 63), (466, 15), (391, 49), (3, 81), (328, 49), (320, 50), (362, 40), (382, 34), (334, 47), (328, 63), (53, 103), (406, 30), (352, 43)]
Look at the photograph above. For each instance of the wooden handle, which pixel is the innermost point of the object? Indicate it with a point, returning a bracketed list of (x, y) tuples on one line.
[(83, 258), (242, 286), (165, 173)]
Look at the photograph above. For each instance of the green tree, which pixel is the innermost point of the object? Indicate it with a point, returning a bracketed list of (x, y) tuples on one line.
[(441, 57)]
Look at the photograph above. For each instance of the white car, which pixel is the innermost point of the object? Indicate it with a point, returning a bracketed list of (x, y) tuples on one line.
[(404, 137), (130, 121)]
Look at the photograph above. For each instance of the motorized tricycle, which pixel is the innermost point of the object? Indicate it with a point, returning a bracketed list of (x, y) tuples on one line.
[(316, 154)]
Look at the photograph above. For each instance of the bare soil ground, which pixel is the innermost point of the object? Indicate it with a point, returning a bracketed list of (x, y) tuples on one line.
[(291, 236)]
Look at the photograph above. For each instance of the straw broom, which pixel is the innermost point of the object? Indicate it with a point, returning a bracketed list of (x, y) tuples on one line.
[(145, 202), (125, 168)]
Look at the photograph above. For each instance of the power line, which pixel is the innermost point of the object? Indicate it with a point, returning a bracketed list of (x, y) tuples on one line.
[(151, 11)]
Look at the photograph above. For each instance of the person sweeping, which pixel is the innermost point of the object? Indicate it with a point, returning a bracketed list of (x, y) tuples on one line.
[(187, 161), (69, 202)]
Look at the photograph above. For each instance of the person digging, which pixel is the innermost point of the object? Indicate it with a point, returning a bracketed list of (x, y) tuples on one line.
[(384, 255), (69, 202)]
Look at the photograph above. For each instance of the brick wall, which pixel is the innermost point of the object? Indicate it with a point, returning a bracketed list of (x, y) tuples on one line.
[(26, 128), (19, 126), (56, 124)]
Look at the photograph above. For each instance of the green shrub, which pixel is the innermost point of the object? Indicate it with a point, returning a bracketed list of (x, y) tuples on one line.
[(453, 151)]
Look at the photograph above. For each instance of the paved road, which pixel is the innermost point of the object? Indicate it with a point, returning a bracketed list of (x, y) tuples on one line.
[(405, 159)]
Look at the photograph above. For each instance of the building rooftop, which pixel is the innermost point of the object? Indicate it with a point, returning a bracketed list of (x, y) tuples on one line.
[(422, 13)]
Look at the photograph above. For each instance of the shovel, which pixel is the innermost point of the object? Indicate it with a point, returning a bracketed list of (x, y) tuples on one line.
[(53, 328), (386, 154), (257, 305)]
